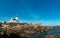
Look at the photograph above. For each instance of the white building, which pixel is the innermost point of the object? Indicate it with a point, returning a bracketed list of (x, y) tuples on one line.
[(15, 20)]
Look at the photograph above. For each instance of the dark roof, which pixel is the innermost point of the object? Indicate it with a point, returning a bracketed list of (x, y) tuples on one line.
[(14, 19)]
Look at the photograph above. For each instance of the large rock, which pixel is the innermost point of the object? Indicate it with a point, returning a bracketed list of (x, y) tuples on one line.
[(50, 36)]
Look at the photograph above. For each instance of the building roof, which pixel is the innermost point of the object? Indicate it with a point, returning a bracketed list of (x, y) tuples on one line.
[(14, 19)]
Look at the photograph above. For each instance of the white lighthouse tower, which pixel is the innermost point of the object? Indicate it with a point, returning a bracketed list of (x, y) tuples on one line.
[(16, 17)]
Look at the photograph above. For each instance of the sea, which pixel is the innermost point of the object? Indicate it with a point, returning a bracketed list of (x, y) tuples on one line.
[(54, 31)]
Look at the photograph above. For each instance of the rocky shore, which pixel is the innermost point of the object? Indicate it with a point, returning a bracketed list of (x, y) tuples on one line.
[(23, 30), (52, 36)]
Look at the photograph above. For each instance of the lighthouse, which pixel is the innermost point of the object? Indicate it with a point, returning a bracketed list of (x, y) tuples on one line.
[(14, 20)]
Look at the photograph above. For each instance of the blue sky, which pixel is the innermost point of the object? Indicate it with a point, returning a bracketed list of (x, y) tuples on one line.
[(35, 11)]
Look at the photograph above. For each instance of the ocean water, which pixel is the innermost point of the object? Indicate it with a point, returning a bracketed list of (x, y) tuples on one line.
[(54, 31)]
